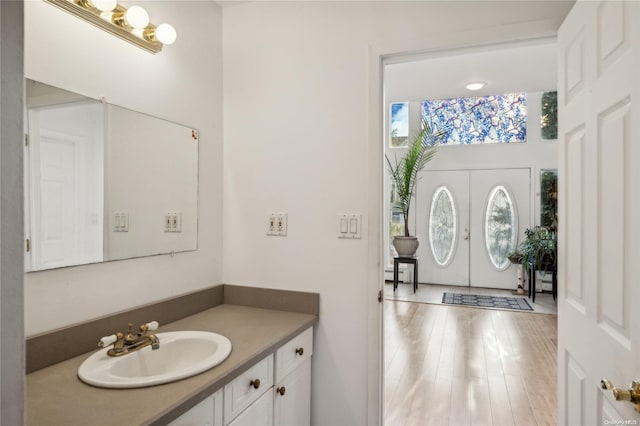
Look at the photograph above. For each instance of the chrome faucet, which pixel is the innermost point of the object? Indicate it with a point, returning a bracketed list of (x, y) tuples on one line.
[(130, 342)]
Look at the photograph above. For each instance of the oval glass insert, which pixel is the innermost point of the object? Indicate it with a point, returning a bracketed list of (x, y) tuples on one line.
[(442, 226), (500, 227)]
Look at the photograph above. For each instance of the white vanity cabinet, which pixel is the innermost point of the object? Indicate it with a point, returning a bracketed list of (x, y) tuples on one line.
[(206, 413), (292, 398), (275, 391)]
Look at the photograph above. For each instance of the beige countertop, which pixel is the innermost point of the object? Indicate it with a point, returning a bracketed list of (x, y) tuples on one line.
[(55, 395)]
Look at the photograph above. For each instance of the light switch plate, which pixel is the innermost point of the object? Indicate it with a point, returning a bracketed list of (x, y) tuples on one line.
[(120, 222), (350, 226)]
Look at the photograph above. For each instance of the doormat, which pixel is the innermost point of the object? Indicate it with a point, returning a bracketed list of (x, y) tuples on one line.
[(481, 301)]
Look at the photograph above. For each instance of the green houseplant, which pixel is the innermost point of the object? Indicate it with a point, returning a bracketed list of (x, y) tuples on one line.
[(404, 175), (537, 249)]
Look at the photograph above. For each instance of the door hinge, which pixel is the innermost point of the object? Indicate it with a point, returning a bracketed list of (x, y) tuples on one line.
[(26, 139), (380, 296), (28, 245)]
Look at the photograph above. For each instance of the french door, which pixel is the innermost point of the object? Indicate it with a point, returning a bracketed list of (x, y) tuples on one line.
[(468, 222)]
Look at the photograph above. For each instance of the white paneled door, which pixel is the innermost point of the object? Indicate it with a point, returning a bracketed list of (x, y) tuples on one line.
[(599, 209), (468, 222)]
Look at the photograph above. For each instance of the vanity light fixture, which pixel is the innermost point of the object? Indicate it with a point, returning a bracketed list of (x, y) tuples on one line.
[(475, 85), (130, 24)]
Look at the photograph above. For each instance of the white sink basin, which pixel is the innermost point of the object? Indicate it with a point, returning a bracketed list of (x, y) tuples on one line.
[(181, 354)]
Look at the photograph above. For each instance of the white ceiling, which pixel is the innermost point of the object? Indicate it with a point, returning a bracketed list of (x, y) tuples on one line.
[(529, 67)]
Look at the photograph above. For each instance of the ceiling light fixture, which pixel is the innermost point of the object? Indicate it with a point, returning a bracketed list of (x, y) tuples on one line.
[(130, 24), (476, 85)]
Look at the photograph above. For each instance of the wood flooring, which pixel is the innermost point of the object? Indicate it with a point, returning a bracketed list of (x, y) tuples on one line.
[(449, 365)]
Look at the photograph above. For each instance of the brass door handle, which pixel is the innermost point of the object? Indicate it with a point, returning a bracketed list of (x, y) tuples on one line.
[(300, 351), (281, 390), (632, 394), (255, 383)]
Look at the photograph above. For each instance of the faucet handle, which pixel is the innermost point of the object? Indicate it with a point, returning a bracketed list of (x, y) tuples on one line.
[(107, 340), (153, 325)]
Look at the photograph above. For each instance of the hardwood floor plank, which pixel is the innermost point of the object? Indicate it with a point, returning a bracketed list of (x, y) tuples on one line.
[(501, 412), (520, 407), (459, 409), (480, 402)]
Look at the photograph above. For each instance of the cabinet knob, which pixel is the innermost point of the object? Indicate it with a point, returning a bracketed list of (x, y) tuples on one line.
[(300, 351), (255, 383), (281, 390)]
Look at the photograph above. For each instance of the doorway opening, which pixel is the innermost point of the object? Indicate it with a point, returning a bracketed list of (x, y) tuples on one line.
[(472, 205)]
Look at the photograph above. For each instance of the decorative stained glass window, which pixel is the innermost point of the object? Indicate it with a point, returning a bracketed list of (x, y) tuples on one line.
[(500, 227), (479, 120), (442, 226), (399, 124)]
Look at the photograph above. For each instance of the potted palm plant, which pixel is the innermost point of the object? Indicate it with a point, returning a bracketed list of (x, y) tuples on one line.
[(404, 175)]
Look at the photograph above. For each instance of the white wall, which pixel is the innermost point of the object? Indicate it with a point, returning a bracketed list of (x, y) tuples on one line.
[(183, 84), (303, 131)]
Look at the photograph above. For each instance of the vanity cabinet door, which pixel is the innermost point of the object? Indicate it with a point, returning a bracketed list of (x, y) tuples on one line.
[(260, 413), (206, 413), (292, 398)]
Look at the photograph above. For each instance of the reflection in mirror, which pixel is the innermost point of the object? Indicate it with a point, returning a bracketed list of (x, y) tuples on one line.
[(104, 183)]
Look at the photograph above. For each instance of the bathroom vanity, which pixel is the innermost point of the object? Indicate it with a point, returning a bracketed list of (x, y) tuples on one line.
[(266, 380)]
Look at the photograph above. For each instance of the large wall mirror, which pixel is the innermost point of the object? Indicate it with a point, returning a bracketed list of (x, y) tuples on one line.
[(103, 182)]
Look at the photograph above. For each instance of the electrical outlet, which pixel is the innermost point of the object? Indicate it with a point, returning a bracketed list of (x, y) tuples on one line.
[(173, 222), (281, 224), (277, 224)]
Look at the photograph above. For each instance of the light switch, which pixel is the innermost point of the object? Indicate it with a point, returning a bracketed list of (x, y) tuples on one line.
[(344, 225), (353, 225)]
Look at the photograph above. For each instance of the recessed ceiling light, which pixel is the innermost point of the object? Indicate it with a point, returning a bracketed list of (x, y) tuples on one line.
[(476, 85)]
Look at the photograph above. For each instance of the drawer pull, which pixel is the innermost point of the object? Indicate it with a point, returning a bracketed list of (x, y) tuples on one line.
[(255, 383), (281, 390), (300, 351)]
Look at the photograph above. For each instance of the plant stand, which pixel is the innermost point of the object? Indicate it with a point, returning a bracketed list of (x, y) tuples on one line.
[(402, 259)]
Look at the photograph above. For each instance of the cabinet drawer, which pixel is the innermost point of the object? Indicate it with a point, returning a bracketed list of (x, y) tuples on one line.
[(293, 353), (242, 391)]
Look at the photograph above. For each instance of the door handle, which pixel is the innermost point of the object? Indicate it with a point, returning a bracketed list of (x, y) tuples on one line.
[(466, 234), (632, 394)]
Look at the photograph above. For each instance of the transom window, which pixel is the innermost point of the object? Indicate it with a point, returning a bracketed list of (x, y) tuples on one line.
[(479, 120)]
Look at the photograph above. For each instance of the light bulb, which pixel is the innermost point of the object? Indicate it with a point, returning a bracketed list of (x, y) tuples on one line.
[(104, 5), (476, 85), (166, 34), (137, 17)]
